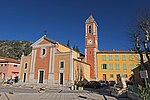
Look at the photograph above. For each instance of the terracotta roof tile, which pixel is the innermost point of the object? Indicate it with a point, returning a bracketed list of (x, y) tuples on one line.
[(116, 51), (6, 60)]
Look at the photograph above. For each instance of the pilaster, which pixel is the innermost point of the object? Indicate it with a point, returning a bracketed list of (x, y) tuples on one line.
[(31, 74)]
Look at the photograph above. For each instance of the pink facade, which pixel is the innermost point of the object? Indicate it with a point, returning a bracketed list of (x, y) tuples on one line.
[(9, 68)]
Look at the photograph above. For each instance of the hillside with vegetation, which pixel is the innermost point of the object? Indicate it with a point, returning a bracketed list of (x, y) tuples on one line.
[(14, 48)]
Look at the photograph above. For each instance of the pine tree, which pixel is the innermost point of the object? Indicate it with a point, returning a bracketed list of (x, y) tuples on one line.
[(68, 44), (74, 47), (77, 49)]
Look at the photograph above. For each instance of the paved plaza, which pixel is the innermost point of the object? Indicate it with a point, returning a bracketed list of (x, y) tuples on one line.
[(55, 94)]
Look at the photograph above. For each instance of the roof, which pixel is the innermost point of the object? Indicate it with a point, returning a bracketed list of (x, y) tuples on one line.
[(81, 61), (48, 39), (43, 37), (90, 19), (116, 51), (6, 60)]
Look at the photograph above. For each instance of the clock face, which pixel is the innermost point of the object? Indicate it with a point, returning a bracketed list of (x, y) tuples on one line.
[(90, 41)]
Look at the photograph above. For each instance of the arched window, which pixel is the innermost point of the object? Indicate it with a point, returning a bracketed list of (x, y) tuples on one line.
[(90, 29)]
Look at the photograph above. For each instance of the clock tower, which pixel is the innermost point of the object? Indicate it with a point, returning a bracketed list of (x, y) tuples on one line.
[(91, 45)]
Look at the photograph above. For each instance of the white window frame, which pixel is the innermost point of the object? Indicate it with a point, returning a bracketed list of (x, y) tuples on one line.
[(41, 52)]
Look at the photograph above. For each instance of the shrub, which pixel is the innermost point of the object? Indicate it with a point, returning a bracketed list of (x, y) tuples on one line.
[(144, 92), (80, 84)]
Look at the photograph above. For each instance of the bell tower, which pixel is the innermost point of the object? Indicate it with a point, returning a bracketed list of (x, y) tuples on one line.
[(91, 45)]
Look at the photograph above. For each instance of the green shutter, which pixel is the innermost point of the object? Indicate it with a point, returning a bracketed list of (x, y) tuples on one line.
[(102, 66)]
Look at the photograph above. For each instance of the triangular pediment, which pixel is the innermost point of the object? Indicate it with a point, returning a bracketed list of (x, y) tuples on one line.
[(43, 41)]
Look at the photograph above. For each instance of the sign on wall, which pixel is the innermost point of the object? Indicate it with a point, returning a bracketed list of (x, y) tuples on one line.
[(144, 74)]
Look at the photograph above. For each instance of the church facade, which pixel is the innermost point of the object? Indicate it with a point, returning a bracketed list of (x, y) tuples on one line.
[(51, 62)]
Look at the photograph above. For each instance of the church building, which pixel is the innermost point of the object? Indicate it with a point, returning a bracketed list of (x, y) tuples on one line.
[(51, 62)]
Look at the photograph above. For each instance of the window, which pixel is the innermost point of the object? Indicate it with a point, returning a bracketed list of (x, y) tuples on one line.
[(111, 75), (131, 66), (103, 57), (25, 65), (131, 57), (138, 57), (123, 57), (145, 58), (124, 67), (117, 66), (62, 64), (124, 75), (43, 51), (110, 57), (90, 29), (111, 66), (104, 66), (15, 65), (117, 57)]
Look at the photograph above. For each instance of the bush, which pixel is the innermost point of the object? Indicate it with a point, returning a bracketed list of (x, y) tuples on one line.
[(145, 92), (80, 84)]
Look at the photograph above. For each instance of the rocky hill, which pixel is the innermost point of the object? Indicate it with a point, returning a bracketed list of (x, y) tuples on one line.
[(14, 48)]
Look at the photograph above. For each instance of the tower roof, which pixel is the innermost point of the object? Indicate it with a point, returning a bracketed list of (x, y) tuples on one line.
[(90, 19)]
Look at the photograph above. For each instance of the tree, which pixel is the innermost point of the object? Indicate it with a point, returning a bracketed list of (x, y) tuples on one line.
[(68, 43), (141, 37), (141, 34), (76, 48)]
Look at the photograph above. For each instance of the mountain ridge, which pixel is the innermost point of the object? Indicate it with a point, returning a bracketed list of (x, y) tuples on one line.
[(15, 48)]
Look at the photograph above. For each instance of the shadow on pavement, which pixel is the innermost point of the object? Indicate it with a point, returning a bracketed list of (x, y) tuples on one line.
[(105, 92)]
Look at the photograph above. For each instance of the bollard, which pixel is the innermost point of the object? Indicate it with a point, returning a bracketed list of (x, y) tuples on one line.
[(72, 87)]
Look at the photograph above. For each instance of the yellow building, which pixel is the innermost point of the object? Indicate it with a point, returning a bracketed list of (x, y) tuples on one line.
[(25, 67), (111, 63)]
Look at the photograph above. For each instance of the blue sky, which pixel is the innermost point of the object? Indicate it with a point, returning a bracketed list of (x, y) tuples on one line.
[(64, 20)]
